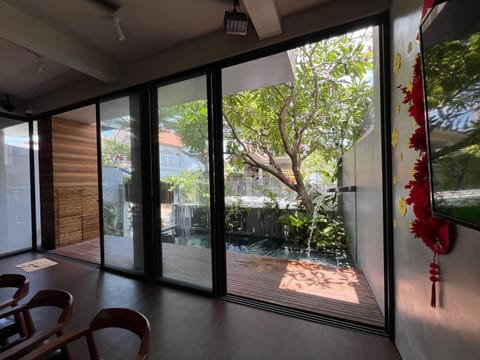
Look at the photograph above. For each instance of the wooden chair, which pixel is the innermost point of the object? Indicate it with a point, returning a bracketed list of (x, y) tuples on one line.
[(29, 336), (15, 281), (107, 318), (8, 326)]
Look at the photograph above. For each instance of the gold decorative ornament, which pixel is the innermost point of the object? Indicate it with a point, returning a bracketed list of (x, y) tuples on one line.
[(402, 206), (394, 138), (410, 86), (397, 63), (413, 172)]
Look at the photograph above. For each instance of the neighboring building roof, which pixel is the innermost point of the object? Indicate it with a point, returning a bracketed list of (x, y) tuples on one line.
[(169, 138)]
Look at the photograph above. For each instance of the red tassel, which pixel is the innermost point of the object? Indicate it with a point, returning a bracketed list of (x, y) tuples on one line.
[(433, 301), (434, 271)]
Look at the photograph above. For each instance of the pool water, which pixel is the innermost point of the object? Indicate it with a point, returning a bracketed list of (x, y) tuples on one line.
[(270, 246)]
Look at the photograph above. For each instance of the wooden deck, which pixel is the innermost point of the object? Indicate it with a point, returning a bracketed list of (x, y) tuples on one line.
[(338, 292)]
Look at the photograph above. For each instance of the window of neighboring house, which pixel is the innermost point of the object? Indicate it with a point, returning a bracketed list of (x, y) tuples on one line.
[(167, 158)]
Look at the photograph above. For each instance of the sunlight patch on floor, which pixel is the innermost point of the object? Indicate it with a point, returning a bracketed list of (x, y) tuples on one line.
[(315, 279)]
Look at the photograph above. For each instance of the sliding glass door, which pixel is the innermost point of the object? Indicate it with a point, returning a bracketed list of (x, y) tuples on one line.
[(303, 178), (121, 173), (298, 135), (184, 182), (180, 172), (15, 207)]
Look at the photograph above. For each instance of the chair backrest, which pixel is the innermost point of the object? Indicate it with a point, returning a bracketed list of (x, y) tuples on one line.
[(120, 318), (49, 298), (16, 281), (44, 298)]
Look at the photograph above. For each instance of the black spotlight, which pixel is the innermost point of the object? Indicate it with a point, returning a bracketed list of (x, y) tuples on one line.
[(235, 22)]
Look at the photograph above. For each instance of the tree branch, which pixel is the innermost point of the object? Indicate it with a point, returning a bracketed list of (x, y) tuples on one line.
[(271, 170), (281, 122)]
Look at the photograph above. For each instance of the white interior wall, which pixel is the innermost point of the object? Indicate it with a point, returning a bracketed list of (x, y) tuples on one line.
[(452, 330), (363, 210), (348, 201)]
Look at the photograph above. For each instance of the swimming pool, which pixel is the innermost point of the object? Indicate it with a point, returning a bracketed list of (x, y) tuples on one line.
[(269, 246)]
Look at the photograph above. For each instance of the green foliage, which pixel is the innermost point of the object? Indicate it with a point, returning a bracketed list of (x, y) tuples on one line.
[(298, 226), (192, 186), (114, 153), (325, 231), (329, 233), (233, 217), (189, 121), (312, 119), (453, 70), (453, 76), (459, 170), (113, 219)]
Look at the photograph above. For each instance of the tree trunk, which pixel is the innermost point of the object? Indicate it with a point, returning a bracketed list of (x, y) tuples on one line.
[(306, 200)]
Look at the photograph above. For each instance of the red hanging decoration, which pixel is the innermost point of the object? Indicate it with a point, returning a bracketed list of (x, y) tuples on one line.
[(435, 233), (434, 277), (427, 5)]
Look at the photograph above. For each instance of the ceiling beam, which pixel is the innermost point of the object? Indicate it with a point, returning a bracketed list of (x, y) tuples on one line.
[(26, 31), (265, 17)]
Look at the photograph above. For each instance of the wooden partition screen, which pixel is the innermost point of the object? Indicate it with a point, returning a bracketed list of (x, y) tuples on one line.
[(68, 182)]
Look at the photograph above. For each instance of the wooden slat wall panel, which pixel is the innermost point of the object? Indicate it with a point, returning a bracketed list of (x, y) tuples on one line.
[(75, 181), (69, 202), (74, 149), (90, 220), (77, 215), (69, 230)]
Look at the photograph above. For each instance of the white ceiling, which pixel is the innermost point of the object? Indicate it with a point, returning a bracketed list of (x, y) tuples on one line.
[(76, 39), (253, 74)]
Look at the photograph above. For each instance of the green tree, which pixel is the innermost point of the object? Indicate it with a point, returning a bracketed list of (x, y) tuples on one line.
[(318, 115), (311, 120), (190, 122), (453, 75), (191, 185), (114, 153)]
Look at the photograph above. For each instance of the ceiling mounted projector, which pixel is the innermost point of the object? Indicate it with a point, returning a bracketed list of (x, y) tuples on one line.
[(235, 22)]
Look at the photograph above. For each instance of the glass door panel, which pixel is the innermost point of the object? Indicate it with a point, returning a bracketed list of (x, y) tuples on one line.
[(302, 225), (37, 184), (184, 182), (15, 207), (122, 183)]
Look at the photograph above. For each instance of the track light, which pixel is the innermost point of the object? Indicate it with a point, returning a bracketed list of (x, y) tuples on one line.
[(235, 22)]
